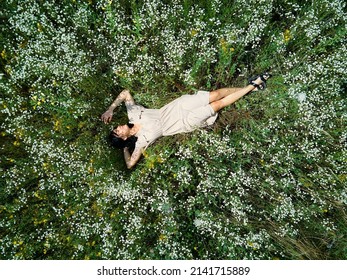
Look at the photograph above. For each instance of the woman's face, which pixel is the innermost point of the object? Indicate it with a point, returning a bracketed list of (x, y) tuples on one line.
[(122, 131)]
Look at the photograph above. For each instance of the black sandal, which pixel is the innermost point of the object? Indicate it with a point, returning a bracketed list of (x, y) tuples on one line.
[(264, 77), (261, 86)]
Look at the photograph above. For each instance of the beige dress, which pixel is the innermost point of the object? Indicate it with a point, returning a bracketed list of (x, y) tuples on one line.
[(183, 114)]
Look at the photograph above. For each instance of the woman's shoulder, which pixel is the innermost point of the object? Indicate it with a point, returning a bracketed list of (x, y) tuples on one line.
[(142, 139), (134, 112), (133, 106)]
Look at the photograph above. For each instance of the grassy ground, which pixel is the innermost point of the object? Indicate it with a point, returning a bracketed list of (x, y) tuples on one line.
[(267, 181)]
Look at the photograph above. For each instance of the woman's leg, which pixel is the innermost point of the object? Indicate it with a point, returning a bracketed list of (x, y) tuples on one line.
[(221, 93), (230, 95)]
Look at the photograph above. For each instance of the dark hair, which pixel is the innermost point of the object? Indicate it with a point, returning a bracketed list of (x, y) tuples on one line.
[(119, 143)]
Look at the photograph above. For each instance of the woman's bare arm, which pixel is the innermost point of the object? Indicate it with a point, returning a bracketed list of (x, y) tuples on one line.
[(132, 159), (123, 96)]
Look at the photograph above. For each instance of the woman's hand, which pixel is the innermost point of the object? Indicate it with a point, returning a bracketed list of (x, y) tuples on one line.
[(107, 116), (123, 96)]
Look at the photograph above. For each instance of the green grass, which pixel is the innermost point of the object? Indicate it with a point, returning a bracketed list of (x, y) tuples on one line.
[(267, 181)]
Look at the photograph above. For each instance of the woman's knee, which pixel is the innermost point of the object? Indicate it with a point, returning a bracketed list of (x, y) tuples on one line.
[(215, 95), (217, 105)]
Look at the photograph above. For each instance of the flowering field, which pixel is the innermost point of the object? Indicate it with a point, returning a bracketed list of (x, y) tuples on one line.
[(267, 181)]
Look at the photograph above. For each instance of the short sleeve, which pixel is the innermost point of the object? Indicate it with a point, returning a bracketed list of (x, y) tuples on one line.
[(134, 112), (146, 137), (142, 142)]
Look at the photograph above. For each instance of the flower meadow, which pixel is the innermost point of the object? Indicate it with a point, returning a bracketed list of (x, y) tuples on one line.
[(267, 181)]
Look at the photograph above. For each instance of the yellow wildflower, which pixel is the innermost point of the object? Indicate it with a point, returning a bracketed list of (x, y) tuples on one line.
[(223, 44), (342, 177), (3, 54), (39, 27), (287, 35), (194, 32), (162, 237), (56, 125)]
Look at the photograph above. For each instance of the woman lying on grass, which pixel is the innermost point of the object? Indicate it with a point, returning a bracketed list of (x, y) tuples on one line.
[(183, 114)]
